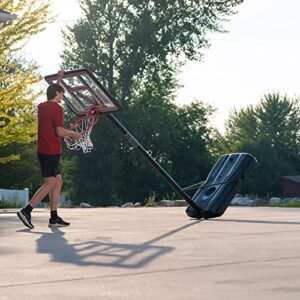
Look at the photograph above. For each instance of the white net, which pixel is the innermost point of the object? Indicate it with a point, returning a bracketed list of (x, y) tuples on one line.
[(83, 143), (83, 126)]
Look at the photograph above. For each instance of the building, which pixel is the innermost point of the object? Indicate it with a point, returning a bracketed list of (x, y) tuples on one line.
[(291, 186), (5, 18)]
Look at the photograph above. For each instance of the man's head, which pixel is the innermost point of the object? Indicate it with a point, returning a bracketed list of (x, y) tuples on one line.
[(55, 91)]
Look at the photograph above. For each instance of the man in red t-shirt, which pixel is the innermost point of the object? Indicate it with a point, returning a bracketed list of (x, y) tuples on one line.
[(50, 130)]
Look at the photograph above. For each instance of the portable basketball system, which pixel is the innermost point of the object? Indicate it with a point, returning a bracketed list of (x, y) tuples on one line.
[(88, 98)]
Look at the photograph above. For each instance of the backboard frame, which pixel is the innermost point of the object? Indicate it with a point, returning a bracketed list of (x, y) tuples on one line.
[(98, 98)]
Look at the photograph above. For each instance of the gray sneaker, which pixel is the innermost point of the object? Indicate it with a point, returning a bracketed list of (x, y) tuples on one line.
[(25, 218)]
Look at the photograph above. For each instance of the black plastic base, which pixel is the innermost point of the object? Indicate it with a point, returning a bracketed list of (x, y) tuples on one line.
[(192, 213), (221, 185)]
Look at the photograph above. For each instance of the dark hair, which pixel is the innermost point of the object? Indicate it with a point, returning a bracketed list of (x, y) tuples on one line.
[(52, 89)]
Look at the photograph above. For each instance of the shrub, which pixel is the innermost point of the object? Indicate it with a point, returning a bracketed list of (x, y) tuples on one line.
[(11, 203)]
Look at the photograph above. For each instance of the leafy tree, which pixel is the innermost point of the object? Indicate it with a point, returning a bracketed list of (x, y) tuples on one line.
[(22, 173), (122, 40), (176, 137), (135, 48), (270, 131), (17, 76)]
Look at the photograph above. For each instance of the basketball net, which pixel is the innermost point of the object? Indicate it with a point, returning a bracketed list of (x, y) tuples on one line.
[(84, 126)]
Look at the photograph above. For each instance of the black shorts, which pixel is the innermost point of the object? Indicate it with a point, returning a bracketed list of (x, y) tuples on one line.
[(49, 164)]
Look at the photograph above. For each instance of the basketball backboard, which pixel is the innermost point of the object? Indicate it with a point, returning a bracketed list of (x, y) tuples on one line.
[(84, 93)]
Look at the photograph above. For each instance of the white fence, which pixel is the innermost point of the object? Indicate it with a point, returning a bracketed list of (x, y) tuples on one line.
[(20, 195)]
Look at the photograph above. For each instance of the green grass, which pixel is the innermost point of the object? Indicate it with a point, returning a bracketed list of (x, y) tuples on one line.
[(151, 199), (13, 203), (290, 204)]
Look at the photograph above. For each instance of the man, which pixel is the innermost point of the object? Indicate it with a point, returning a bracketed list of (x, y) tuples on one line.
[(50, 130)]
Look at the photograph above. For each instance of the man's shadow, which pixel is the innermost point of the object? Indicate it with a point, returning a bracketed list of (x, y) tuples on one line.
[(102, 253)]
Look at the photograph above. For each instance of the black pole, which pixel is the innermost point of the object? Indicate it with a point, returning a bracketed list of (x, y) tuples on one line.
[(132, 140)]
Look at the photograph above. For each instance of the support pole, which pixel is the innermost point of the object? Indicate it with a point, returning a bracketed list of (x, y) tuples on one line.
[(132, 140)]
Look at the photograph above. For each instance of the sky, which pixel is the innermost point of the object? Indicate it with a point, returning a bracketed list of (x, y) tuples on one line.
[(259, 54)]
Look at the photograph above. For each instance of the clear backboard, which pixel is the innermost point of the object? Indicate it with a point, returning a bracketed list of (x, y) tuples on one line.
[(84, 93)]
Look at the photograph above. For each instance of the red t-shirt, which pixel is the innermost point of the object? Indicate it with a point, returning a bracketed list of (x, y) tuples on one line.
[(50, 116)]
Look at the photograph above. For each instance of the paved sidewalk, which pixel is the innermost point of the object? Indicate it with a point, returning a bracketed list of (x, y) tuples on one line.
[(152, 253)]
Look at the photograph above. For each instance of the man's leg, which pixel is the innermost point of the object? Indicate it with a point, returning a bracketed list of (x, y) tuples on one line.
[(55, 220), (55, 193), (43, 191), (24, 215)]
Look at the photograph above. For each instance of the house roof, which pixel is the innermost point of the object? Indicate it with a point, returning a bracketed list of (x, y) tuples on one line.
[(6, 16), (295, 178)]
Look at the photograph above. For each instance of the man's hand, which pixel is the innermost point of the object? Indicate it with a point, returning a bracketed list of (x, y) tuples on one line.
[(62, 132), (76, 135), (60, 76)]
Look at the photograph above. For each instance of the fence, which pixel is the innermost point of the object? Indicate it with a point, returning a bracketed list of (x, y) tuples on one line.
[(19, 195), (22, 196)]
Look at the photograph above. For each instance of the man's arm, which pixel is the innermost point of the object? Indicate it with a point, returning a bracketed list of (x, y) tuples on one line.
[(60, 76), (62, 132)]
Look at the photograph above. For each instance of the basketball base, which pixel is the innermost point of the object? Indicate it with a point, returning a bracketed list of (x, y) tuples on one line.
[(221, 185)]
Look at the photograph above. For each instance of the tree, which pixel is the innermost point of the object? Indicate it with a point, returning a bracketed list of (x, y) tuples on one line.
[(17, 76), (270, 131), (122, 41), (177, 137), (135, 48), (22, 173)]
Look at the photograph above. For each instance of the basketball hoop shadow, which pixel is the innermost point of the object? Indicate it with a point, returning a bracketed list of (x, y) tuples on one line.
[(103, 253)]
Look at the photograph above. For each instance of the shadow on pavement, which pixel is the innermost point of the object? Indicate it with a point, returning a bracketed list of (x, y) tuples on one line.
[(101, 253), (255, 221)]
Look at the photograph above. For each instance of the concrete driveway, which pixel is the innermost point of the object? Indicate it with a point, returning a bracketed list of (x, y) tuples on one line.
[(152, 253)]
